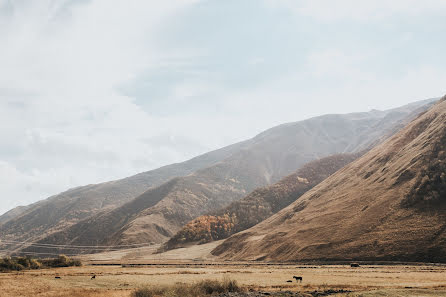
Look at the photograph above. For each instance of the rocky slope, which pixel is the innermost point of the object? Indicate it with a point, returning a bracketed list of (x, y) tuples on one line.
[(388, 205), (259, 205)]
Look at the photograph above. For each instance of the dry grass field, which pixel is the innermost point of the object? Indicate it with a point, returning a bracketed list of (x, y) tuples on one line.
[(118, 281)]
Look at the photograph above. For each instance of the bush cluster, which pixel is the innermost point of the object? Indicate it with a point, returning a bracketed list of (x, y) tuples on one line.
[(429, 188), (61, 261), (24, 263), (205, 229)]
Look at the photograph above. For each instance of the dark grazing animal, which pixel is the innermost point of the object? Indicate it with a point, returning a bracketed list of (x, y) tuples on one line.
[(58, 277), (93, 277), (354, 265), (298, 278), (289, 281)]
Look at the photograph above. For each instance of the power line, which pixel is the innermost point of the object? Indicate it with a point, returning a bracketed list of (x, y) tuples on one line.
[(52, 254), (58, 247), (36, 244), (48, 247)]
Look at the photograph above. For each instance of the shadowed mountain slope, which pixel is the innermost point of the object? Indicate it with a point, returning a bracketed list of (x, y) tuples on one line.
[(388, 205), (259, 205)]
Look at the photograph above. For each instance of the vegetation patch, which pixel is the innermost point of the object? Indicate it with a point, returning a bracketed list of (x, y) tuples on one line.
[(430, 186), (8, 264), (202, 288), (257, 206)]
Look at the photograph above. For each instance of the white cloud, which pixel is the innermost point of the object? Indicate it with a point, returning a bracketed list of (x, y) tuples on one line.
[(65, 124), (19, 188), (363, 11)]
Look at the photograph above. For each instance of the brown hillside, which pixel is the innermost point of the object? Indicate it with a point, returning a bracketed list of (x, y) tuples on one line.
[(13, 213), (259, 205), (388, 205), (65, 209)]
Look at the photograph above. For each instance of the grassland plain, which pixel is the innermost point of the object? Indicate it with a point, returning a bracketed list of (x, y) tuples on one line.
[(118, 281)]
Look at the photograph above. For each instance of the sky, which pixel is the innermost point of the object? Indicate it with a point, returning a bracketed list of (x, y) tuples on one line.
[(96, 90)]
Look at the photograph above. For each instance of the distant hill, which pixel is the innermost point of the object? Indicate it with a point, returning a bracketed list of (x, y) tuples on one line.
[(109, 213), (388, 205), (257, 206), (65, 209), (13, 213)]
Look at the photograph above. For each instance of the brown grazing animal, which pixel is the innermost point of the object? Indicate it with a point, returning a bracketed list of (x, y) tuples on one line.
[(298, 278)]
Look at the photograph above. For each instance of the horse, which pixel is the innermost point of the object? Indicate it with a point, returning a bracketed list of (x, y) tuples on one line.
[(298, 278)]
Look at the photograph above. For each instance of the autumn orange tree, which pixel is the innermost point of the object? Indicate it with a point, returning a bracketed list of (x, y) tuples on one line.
[(205, 229)]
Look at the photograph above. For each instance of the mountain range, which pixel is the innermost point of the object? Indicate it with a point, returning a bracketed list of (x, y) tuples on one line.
[(151, 207)]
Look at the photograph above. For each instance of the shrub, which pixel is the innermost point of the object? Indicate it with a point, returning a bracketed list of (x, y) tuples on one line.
[(8, 264), (34, 264), (61, 261), (199, 289), (146, 292)]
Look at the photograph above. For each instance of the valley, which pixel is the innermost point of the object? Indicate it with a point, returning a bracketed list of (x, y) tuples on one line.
[(198, 148)]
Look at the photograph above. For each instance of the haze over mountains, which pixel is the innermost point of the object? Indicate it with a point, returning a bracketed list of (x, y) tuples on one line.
[(169, 197), (69, 207), (388, 205)]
